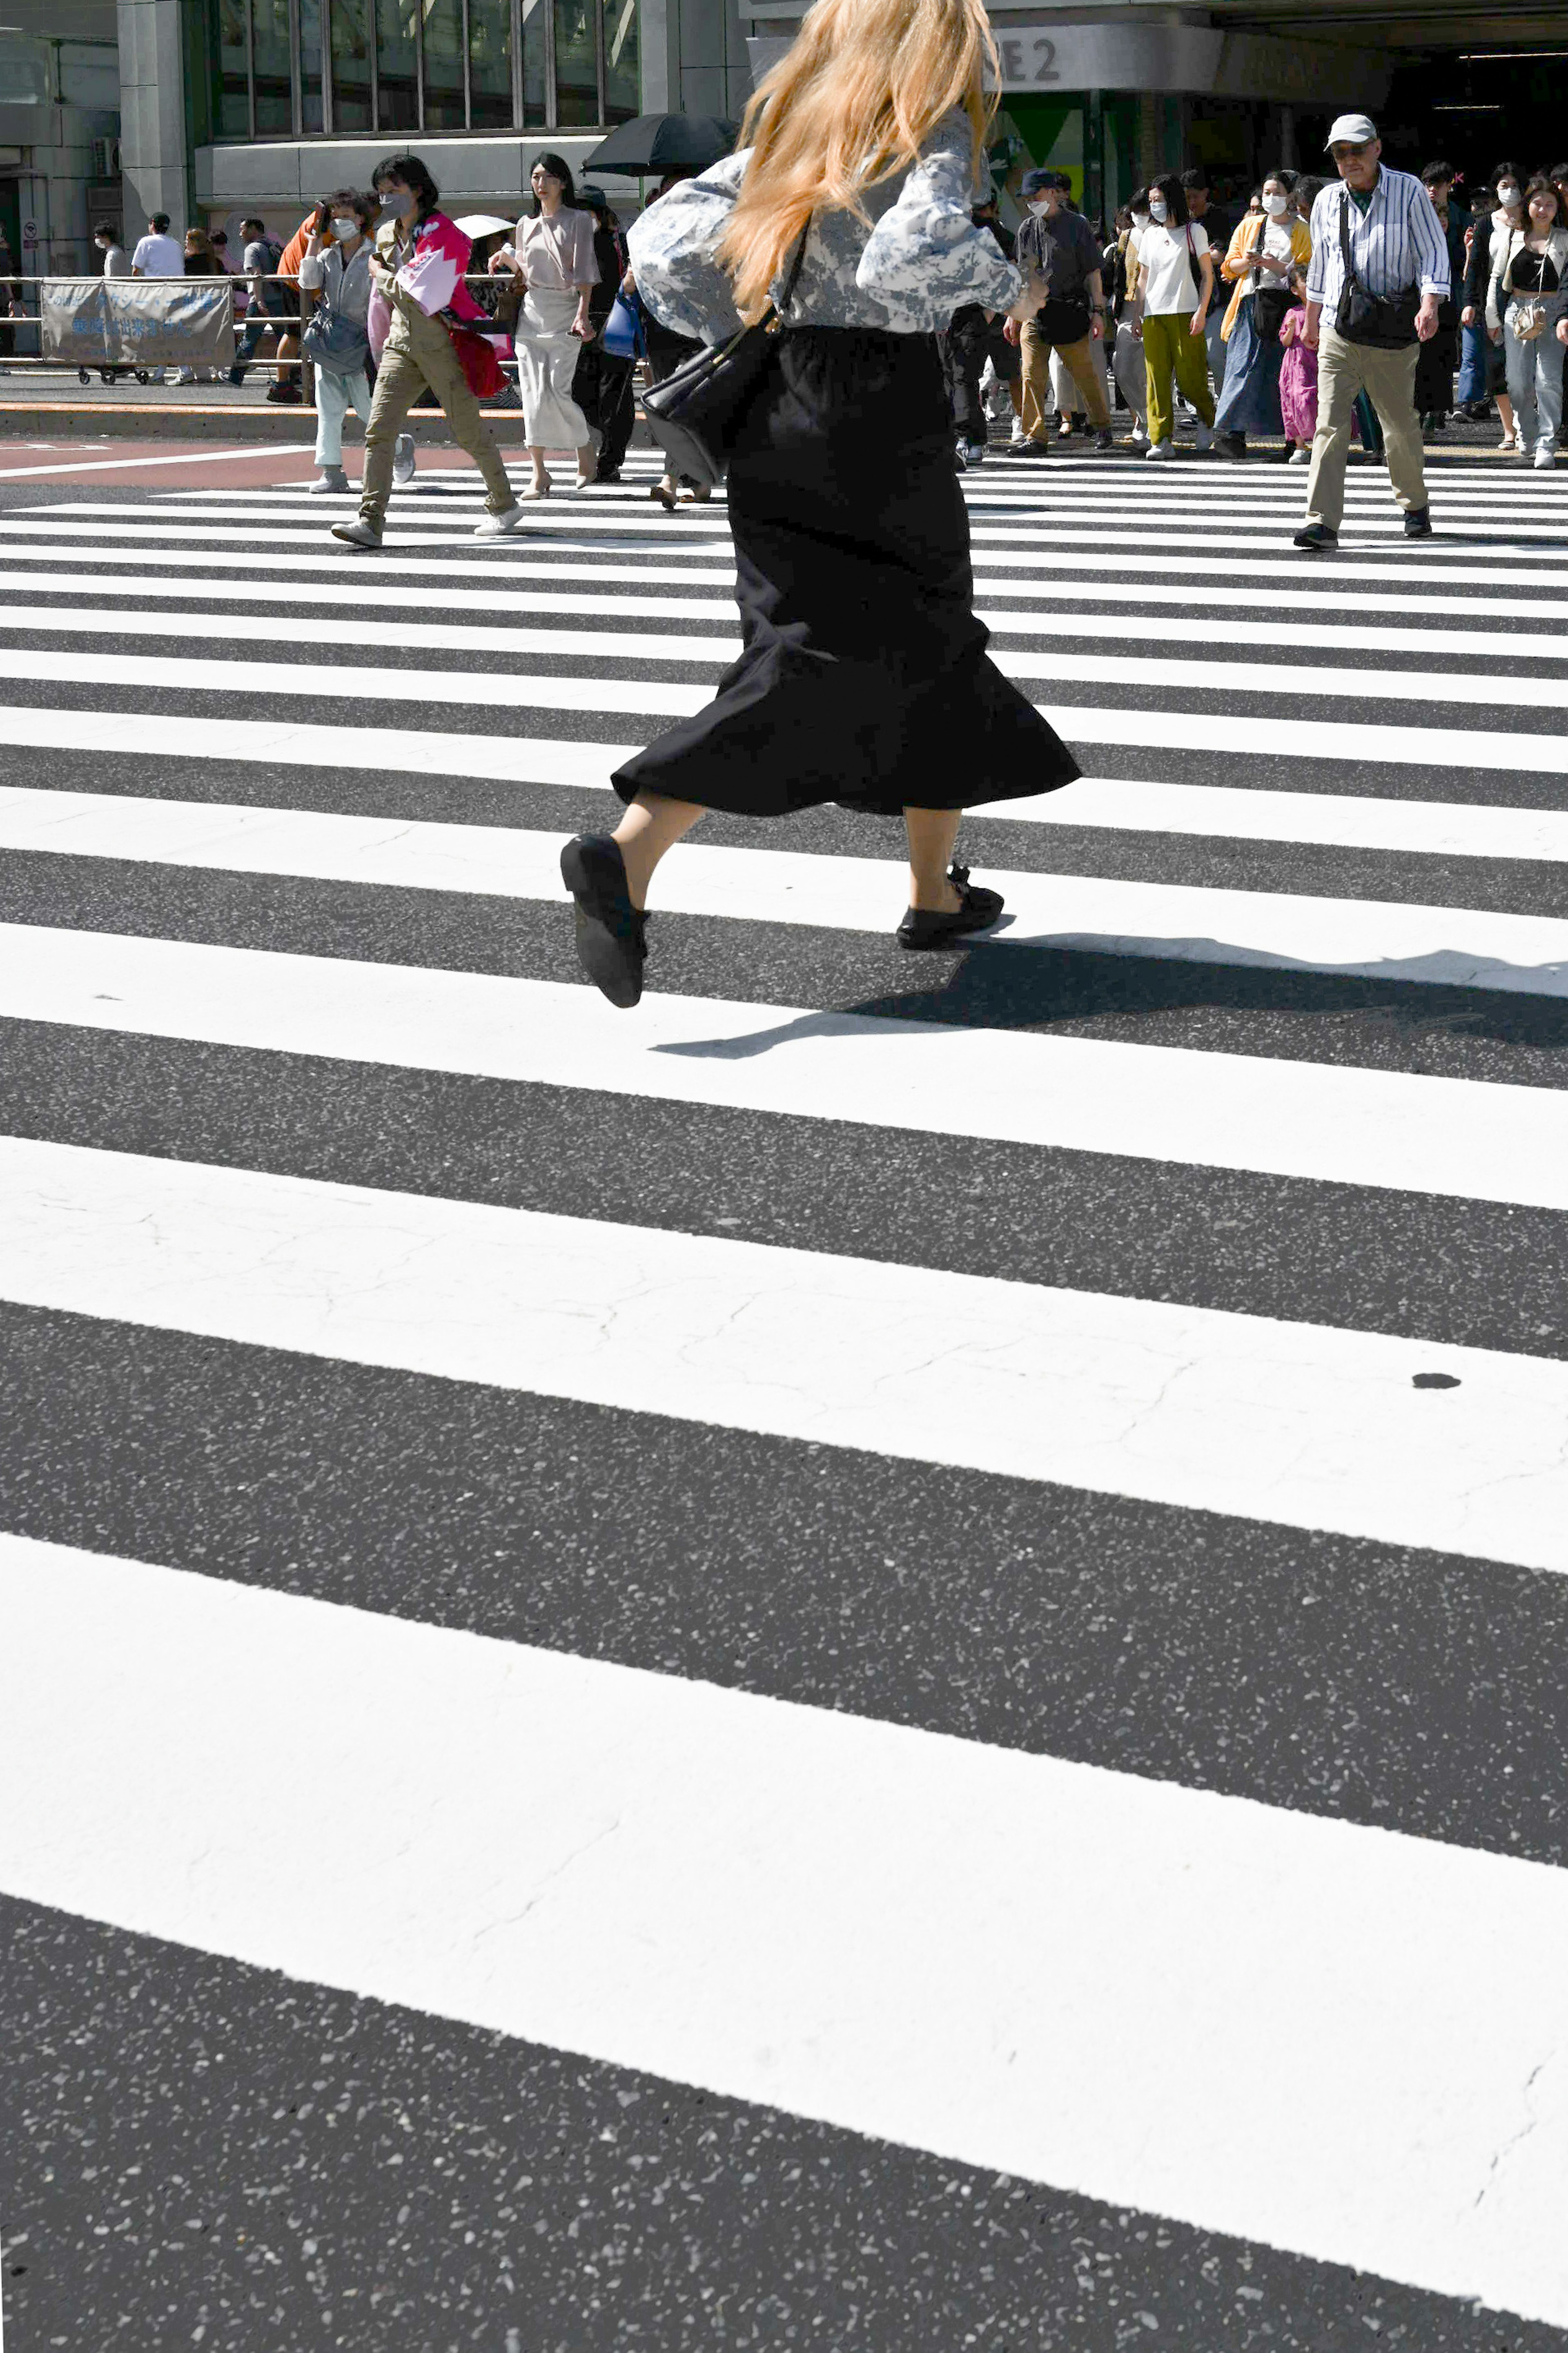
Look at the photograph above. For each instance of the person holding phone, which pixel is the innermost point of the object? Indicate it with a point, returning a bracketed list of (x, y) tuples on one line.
[(553, 259)]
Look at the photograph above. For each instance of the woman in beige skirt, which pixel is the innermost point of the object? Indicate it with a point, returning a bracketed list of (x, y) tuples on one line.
[(552, 256)]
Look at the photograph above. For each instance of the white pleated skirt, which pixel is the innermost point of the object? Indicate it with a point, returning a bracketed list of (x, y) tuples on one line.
[(547, 353)]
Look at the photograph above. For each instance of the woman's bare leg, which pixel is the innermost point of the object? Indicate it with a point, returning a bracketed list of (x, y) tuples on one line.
[(651, 825), (933, 833), (541, 472)]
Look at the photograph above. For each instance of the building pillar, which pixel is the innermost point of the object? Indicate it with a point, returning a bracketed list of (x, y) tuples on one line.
[(1096, 204), (152, 115)]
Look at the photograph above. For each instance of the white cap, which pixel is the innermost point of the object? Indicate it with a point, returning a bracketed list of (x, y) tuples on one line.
[(1354, 129)]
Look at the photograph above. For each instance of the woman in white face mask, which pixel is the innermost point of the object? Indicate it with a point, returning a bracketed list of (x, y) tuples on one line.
[(1266, 246), (336, 270), (1492, 223), (1127, 354), (1175, 277)]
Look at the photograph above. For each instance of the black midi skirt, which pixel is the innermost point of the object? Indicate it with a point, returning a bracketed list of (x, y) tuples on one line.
[(863, 677)]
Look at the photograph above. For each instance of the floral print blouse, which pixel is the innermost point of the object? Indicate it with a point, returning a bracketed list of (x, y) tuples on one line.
[(918, 260)]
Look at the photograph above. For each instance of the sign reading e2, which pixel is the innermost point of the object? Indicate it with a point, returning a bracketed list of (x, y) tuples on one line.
[(1027, 58)]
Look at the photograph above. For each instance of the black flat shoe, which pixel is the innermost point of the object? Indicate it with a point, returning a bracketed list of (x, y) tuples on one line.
[(611, 942), (1417, 523), (1316, 536), (978, 912)]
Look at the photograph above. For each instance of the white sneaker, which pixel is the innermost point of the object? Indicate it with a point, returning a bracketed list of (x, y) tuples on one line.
[(331, 478), (1159, 449), (499, 526), (357, 533), (1139, 436), (1300, 458), (1545, 454), (1019, 435), (1206, 436), (403, 458)]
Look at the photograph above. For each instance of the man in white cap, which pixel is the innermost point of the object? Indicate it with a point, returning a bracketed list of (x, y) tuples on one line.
[(1379, 269)]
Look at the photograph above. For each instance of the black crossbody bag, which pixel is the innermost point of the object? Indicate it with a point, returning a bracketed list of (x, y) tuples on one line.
[(697, 413), (1387, 323)]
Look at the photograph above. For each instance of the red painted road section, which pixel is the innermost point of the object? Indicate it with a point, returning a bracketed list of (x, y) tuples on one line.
[(173, 465)]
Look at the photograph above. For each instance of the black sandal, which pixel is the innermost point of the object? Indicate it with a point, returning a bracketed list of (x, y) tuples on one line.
[(979, 910)]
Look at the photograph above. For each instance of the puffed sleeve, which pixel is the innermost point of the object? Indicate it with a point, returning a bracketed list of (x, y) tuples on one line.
[(925, 258), (673, 247)]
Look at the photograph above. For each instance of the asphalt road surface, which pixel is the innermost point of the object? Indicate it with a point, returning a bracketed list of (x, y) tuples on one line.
[(872, 1660)]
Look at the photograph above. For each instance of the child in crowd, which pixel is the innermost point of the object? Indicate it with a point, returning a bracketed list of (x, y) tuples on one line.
[(1299, 389), (1298, 378)]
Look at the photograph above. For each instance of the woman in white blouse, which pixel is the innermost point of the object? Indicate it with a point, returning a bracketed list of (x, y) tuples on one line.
[(552, 256), (863, 677)]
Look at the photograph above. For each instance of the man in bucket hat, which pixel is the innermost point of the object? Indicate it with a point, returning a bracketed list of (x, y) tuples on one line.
[(1379, 269)]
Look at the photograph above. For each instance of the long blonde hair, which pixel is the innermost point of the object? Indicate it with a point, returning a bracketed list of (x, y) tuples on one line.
[(863, 86)]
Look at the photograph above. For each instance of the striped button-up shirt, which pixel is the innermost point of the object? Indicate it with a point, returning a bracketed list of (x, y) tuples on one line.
[(1397, 242)]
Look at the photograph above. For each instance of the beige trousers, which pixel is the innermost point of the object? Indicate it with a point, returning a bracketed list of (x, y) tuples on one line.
[(399, 382), (1388, 379), (1084, 364)]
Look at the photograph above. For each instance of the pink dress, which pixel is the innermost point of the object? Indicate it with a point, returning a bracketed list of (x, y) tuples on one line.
[(1298, 379)]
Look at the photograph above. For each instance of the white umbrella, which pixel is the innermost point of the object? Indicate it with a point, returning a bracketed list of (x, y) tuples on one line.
[(483, 223)]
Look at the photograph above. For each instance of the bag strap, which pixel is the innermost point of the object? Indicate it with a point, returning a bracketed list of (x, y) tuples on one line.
[(780, 307), (1351, 278)]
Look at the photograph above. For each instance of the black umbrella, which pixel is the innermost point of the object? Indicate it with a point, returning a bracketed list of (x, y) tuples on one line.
[(662, 144)]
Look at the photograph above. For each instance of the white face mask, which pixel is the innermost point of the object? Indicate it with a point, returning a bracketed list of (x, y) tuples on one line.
[(1508, 194), (1038, 206), (1139, 220), (1274, 205), (1158, 208), (344, 229)]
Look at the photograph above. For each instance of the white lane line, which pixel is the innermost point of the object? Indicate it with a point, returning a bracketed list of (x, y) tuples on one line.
[(593, 645), (513, 557), (716, 596), (530, 688), (1448, 828), (720, 612), (248, 450), (1328, 1124), (1116, 1986), (1297, 1424), (526, 759), (578, 516), (1246, 813), (1446, 946), (320, 567)]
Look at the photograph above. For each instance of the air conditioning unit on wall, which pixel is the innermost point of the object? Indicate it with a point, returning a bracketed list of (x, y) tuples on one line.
[(106, 159)]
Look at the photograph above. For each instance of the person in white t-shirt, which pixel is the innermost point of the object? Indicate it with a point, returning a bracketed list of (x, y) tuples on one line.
[(115, 261), (158, 255), (1175, 279)]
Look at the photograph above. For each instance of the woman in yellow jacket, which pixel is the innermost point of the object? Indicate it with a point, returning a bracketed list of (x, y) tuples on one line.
[(1258, 265)]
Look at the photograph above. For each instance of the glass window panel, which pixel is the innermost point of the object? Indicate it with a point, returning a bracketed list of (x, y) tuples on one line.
[(396, 64), (274, 88), (622, 72), (310, 64), (443, 65), (489, 65), (233, 81), (576, 66), (351, 66), (534, 23)]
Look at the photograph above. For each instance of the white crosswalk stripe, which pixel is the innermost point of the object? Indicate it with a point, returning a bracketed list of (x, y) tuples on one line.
[(964, 1551)]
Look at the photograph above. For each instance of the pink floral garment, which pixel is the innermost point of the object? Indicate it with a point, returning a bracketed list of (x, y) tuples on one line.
[(1298, 379)]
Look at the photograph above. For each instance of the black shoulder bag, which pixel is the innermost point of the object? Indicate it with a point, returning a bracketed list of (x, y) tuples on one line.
[(697, 413), (1384, 321)]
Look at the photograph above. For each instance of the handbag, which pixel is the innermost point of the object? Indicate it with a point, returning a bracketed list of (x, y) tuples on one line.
[(624, 336), (1385, 322), (697, 413), (1528, 316), (478, 358)]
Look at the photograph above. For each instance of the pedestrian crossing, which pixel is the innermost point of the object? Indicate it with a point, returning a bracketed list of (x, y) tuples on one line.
[(900, 1618)]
